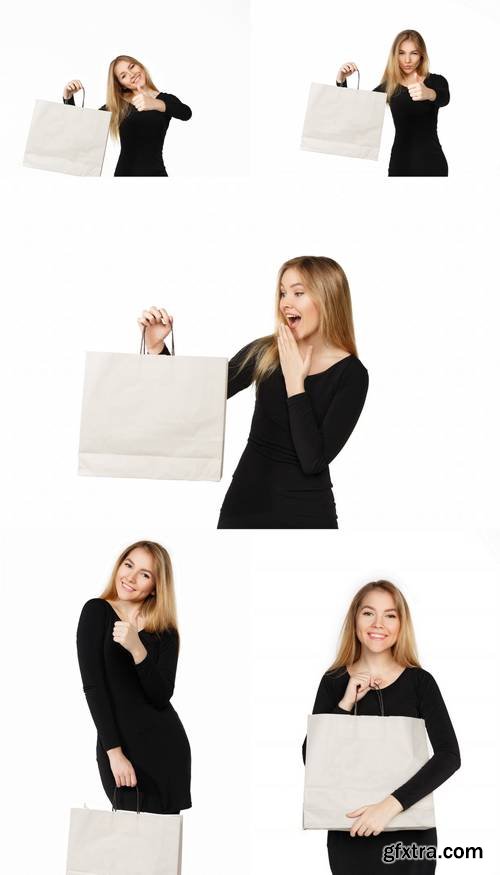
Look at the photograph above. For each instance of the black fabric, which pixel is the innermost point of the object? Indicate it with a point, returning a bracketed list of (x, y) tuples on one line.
[(416, 150), (282, 480), (142, 135), (415, 693), (130, 706)]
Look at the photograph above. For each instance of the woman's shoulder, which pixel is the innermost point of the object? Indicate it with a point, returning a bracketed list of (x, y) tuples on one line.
[(437, 79), (95, 606), (420, 677), (336, 677), (352, 368)]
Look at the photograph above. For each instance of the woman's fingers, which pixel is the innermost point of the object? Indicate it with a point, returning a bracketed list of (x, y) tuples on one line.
[(167, 320)]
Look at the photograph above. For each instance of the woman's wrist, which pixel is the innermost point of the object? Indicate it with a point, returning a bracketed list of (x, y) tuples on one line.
[(139, 654), (345, 705), (295, 388), (156, 349), (393, 805), (113, 750)]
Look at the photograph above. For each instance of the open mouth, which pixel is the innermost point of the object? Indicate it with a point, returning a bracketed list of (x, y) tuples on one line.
[(127, 587), (376, 637), (293, 319)]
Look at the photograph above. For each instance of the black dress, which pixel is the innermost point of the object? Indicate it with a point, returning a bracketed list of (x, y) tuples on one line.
[(142, 135), (416, 150), (415, 693), (131, 708), (282, 480)]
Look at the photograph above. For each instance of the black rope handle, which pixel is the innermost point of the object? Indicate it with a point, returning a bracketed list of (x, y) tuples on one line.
[(142, 350), (138, 808), (377, 689)]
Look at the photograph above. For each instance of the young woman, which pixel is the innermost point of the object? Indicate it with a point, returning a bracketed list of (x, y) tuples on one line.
[(310, 390), (414, 96), (377, 648), (140, 116), (128, 646)]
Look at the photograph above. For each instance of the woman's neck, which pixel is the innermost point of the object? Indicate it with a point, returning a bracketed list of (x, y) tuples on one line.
[(381, 664)]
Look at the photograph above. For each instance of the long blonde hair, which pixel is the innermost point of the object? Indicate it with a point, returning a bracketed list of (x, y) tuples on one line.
[(391, 80), (327, 285), (115, 101), (405, 648), (158, 609)]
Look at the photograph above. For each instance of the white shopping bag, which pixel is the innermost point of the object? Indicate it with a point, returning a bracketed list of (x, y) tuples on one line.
[(67, 139), (359, 760), (344, 121), (153, 416), (124, 843)]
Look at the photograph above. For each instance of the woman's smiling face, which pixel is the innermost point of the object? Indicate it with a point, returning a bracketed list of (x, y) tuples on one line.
[(134, 579), (377, 621), (297, 307), (409, 57), (129, 75)]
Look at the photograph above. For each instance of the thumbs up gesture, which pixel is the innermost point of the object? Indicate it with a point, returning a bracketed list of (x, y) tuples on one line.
[(419, 91)]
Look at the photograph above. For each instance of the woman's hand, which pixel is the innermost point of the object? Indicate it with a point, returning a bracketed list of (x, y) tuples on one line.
[(295, 368), (419, 91), (71, 88), (158, 325), (122, 768), (346, 70), (126, 634), (143, 102), (362, 680), (372, 819)]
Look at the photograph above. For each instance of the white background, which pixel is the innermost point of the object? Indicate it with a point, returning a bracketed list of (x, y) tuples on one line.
[(418, 479), (195, 50), (296, 43), (259, 626)]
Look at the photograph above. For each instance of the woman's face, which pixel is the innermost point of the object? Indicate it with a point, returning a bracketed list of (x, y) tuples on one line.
[(297, 307), (409, 57), (377, 621), (129, 75), (134, 579)]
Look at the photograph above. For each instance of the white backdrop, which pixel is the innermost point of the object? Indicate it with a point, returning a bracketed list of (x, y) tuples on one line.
[(296, 43), (195, 50), (259, 623)]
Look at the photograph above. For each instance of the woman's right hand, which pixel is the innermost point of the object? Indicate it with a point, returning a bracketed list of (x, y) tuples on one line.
[(158, 325), (122, 768), (71, 88), (346, 70), (363, 681)]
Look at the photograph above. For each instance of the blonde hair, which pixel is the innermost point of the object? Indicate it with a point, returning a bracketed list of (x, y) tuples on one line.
[(391, 80), (328, 287), (116, 103), (404, 650), (158, 609)]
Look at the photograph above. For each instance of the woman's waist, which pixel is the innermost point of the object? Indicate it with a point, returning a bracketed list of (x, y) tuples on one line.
[(278, 468)]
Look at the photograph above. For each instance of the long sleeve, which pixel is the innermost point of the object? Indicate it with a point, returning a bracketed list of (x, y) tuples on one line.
[(237, 378), (157, 678), (174, 107), (316, 445), (70, 101), (446, 753), (440, 86), (89, 640), (327, 698)]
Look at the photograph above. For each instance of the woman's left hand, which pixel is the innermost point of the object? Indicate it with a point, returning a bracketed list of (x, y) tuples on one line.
[(419, 91), (144, 103), (372, 819), (295, 368), (126, 634)]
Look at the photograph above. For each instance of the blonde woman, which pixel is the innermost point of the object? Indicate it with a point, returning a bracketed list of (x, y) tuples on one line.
[(140, 116), (310, 390), (128, 644), (377, 648), (414, 96)]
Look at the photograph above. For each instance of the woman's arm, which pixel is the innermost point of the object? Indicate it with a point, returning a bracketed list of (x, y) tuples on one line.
[(157, 679), (89, 640), (446, 754), (440, 86), (316, 445), (174, 107), (238, 377)]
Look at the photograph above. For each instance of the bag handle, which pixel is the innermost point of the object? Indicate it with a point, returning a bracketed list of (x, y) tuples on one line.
[(83, 98), (142, 350), (380, 700), (114, 808), (357, 71)]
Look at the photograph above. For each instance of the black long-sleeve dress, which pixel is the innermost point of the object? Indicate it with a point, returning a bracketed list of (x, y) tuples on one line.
[(414, 693), (142, 135), (130, 706), (282, 480), (416, 150)]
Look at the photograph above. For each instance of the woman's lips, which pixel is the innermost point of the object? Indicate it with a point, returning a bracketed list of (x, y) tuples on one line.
[(127, 587), (377, 636)]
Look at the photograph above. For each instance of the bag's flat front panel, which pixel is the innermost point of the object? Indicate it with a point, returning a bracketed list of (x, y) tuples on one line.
[(123, 843), (153, 416), (354, 761), (344, 121), (67, 139)]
